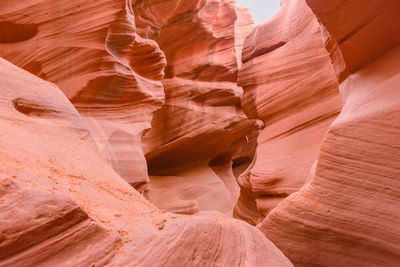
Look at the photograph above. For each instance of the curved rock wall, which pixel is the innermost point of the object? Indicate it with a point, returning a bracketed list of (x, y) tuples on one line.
[(201, 122), (154, 88), (347, 214), (106, 57), (62, 204), (290, 85), (92, 52)]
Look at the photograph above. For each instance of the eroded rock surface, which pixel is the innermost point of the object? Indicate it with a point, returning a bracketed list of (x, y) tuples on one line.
[(92, 52), (151, 98), (62, 203), (290, 85), (347, 214), (109, 58), (201, 126)]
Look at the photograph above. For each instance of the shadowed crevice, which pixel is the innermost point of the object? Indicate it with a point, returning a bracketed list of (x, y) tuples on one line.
[(31, 108), (11, 32), (263, 51)]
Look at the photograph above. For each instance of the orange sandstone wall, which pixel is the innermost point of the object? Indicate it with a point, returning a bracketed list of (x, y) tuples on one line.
[(201, 127), (109, 58), (62, 204), (173, 98), (290, 85), (92, 52), (348, 212)]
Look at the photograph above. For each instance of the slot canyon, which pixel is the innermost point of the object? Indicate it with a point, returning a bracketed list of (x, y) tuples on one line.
[(181, 133)]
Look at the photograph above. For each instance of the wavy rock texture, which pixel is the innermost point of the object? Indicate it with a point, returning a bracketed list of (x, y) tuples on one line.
[(92, 52), (290, 85), (39, 224), (105, 57), (348, 212), (200, 128), (61, 203)]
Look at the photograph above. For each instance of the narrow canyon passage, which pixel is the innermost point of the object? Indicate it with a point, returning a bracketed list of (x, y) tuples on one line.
[(201, 128), (182, 133)]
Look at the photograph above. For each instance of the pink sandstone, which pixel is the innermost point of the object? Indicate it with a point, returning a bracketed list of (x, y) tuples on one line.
[(62, 204), (161, 119), (347, 214), (290, 85)]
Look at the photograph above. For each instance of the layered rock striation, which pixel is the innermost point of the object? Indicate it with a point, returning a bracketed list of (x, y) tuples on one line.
[(200, 128), (108, 71), (347, 214), (61, 203), (110, 59), (292, 125), (290, 85)]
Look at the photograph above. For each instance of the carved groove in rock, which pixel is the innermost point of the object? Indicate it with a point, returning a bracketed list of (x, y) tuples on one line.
[(163, 119), (13, 32)]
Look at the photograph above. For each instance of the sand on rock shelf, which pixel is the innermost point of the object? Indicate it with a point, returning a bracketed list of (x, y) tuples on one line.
[(178, 133)]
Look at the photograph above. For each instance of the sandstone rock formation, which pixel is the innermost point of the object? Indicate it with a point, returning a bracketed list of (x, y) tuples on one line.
[(348, 212), (80, 212), (92, 52), (291, 125), (114, 78), (201, 122), (290, 85), (62, 204)]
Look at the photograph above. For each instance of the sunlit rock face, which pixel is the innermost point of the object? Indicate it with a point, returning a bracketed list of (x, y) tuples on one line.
[(62, 204), (109, 58), (161, 119), (61, 201), (348, 212), (92, 52), (289, 83)]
